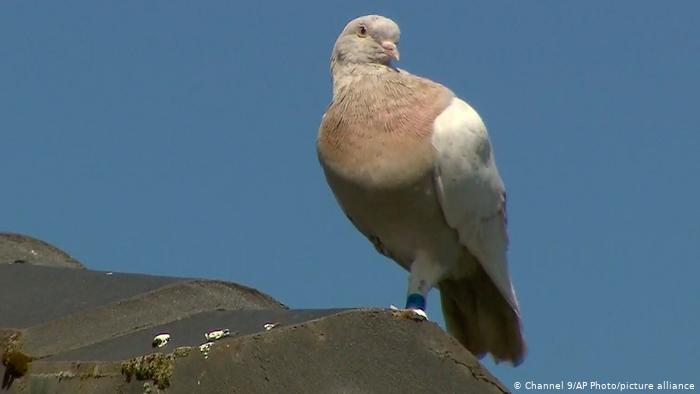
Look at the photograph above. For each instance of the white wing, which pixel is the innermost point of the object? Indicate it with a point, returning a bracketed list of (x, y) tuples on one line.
[(471, 192)]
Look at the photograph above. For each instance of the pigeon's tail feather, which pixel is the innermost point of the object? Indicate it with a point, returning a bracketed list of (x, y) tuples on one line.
[(480, 318)]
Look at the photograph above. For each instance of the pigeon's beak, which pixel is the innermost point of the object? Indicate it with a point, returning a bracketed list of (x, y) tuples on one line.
[(391, 50)]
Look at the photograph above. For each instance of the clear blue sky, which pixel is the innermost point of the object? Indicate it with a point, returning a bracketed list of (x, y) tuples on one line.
[(178, 138)]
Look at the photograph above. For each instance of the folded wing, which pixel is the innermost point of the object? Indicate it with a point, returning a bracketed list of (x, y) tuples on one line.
[(471, 191)]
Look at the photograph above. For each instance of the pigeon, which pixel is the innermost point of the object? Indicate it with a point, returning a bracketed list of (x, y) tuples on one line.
[(412, 167)]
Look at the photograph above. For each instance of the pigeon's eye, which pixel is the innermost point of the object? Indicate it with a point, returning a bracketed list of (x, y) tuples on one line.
[(362, 31)]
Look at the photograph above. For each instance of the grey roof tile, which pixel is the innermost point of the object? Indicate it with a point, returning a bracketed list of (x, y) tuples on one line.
[(83, 331)]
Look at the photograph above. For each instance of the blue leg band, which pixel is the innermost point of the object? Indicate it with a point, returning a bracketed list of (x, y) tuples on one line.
[(415, 301)]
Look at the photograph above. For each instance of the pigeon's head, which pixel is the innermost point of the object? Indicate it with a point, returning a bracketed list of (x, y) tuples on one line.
[(367, 39)]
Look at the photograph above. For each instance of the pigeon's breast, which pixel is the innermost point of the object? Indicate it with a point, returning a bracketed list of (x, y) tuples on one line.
[(377, 135), (375, 149)]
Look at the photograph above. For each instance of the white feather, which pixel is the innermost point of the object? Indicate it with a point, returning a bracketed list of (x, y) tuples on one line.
[(471, 192)]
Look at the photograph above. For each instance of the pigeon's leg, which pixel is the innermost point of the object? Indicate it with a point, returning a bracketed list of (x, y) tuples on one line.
[(424, 274)]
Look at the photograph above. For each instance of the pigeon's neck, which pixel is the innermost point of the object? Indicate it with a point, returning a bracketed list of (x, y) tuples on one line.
[(345, 75)]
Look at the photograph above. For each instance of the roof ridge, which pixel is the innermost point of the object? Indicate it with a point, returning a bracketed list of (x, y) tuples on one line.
[(159, 306)]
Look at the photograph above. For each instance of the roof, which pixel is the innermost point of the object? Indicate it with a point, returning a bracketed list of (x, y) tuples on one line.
[(19, 249), (67, 329)]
